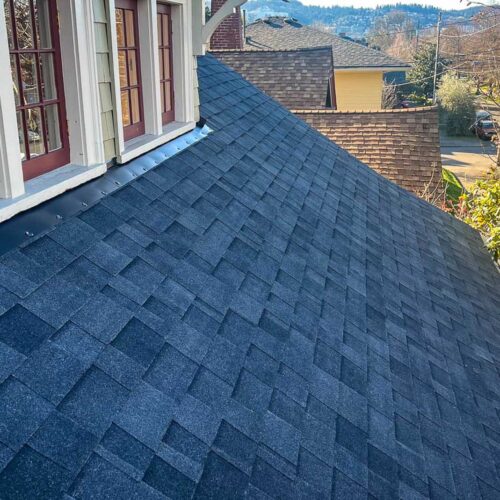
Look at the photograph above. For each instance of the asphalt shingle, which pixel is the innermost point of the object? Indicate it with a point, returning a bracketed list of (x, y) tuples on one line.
[(279, 33), (264, 317), (303, 79)]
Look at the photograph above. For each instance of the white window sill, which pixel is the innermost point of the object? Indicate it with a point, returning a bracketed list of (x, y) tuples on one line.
[(48, 186), (145, 143)]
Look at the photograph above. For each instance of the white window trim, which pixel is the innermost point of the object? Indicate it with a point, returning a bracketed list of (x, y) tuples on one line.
[(11, 173), (155, 133), (82, 109)]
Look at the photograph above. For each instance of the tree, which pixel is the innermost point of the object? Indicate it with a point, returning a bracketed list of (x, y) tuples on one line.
[(402, 47), (456, 97), (390, 98), (382, 34), (476, 54), (422, 72)]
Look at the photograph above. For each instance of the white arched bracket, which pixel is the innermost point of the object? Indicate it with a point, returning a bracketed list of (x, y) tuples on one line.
[(226, 10)]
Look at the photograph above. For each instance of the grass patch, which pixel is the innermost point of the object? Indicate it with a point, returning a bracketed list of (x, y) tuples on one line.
[(453, 185)]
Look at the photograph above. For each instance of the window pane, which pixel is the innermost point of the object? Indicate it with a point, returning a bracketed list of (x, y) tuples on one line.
[(166, 63), (168, 97), (8, 21), (158, 18), (15, 80), (132, 68), (22, 15), (129, 25), (125, 109), (160, 59), (42, 23), (122, 65), (162, 92), (29, 79), (35, 133), (166, 28), (48, 76), (20, 133), (120, 32), (134, 100), (52, 127)]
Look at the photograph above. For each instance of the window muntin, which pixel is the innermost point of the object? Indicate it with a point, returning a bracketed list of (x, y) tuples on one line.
[(164, 20), (38, 86), (129, 68)]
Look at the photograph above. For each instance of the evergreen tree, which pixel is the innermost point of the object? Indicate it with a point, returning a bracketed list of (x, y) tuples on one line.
[(421, 75)]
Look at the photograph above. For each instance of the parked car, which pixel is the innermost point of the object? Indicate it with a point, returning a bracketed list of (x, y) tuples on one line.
[(484, 127), (405, 104)]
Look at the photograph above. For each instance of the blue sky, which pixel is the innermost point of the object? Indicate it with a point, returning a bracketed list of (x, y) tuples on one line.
[(445, 4)]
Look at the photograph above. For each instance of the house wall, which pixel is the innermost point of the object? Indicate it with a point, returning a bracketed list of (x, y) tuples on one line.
[(92, 97), (402, 145), (229, 33), (359, 90), (104, 78)]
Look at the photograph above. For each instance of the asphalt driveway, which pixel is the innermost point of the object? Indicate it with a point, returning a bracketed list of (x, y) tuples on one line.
[(468, 158)]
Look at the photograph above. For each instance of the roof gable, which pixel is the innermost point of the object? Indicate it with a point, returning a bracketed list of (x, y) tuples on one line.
[(281, 34), (296, 78)]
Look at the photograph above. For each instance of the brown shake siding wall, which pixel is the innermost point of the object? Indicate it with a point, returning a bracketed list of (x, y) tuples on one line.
[(402, 144)]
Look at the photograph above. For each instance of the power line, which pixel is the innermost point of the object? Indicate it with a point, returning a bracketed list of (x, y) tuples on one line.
[(434, 26), (431, 27), (471, 33), (413, 82)]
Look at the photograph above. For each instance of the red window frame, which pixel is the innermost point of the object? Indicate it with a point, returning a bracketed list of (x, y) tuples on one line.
[(136, 128), (164, 16), (47, 161)]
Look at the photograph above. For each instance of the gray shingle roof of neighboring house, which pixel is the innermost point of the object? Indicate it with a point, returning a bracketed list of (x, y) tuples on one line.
[(260, 315), (278, 33), (297, 78)]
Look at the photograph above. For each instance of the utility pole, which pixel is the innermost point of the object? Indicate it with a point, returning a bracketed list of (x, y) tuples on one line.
[(438, 36)]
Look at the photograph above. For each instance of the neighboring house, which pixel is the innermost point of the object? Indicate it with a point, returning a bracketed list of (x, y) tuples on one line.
[(298, 78), (359, 70), (246, 313), (402, 145)]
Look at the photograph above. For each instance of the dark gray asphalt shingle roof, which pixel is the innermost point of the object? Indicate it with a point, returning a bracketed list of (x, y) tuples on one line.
[(278, 34), (297, 79), (261, 315)]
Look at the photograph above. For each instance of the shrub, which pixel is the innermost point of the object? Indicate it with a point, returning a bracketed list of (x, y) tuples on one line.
[(453, 186), (456, 97), (480, 208)]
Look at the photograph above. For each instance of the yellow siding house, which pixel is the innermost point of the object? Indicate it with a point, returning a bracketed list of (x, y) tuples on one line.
[(358, 70), (359, 90)]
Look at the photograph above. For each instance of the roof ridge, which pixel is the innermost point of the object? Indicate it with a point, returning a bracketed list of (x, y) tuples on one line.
[(363, 50), (299, 49)]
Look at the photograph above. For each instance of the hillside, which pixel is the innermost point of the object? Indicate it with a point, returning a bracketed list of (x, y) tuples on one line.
[(350, 20)]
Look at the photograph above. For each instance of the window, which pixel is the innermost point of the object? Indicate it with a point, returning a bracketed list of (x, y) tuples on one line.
[(38, 85), (165, 59), (129, 68)]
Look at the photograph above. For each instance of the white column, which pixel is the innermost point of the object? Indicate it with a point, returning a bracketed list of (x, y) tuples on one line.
[(115, 73), (11, 170), (81, 88), (182, 44), (197, 26), (150, 68)]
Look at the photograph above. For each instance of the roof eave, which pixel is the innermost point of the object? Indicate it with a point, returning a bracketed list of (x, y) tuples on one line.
[(362, 69)]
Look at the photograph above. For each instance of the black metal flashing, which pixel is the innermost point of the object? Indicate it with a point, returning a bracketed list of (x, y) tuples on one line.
[(33, 222)]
